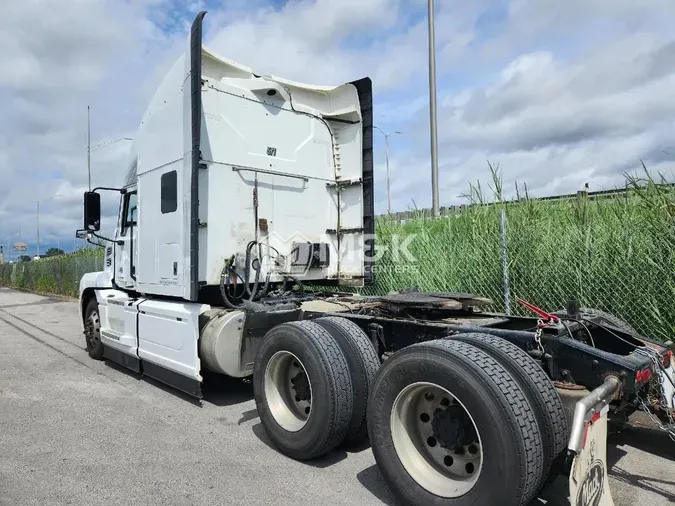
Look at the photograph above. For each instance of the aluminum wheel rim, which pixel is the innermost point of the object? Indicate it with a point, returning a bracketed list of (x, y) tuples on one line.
[(288, 391), (445, 472), (94, 330)]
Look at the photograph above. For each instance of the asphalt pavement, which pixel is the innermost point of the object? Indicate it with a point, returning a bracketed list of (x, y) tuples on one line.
[(83, 432)]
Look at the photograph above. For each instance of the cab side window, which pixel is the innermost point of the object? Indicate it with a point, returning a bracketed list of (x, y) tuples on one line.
[(130, 212), (169, 192)]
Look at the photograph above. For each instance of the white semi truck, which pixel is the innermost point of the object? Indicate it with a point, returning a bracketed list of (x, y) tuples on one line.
[(243, 191)]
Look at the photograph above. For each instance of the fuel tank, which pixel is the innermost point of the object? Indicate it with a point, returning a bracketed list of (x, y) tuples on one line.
[(220, 342)]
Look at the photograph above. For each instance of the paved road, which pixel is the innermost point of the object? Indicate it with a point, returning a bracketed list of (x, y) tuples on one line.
[(77, 431)]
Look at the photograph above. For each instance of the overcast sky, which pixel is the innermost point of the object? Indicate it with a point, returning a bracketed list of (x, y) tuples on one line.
[(558, 93)]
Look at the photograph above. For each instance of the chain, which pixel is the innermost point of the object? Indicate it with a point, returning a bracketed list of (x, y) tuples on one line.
[(660, 377), (666, 428), (537, 336)]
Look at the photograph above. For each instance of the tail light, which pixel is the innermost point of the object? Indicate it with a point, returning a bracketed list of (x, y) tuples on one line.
[(643, 376), (667, 358)]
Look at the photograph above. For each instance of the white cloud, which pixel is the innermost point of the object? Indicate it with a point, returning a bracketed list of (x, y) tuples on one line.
[(303, 39), (573, 110), (559, 93), (58, 57)]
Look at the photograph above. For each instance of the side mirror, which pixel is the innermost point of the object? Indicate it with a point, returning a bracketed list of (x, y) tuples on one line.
[(92, 211)]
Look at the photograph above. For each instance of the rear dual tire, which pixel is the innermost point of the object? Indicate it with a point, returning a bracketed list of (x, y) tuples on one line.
[(483, 391), (302, 389), (538, 389), (609, 318), (363, 364), (509, 439), (311, 385)]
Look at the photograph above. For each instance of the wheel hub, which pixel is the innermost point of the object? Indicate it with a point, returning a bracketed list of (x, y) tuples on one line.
[(453, 428), (288, 391), (436, 439), (300, 384), (91, 331)]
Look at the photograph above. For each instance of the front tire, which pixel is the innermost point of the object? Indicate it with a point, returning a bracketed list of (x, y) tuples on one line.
[(302, 389), (92, 330), (420, 468)]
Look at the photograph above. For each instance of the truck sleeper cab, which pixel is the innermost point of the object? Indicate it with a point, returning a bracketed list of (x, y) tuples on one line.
[(242, 190), (237, 184)]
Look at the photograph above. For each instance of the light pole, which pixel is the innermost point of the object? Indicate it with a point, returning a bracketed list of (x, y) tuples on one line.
[(432, 111), (91, 148), (89, 145), (386, 142), (37, 219)]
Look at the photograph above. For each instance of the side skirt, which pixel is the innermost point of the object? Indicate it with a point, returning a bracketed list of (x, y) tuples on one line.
[(187, 385), (178, 381), (122, 359)]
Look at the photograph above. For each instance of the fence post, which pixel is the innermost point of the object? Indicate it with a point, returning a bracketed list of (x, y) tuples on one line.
[(505, 263)]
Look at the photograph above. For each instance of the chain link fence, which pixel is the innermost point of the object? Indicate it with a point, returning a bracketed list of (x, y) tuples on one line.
[(56, 275), (615, 254)]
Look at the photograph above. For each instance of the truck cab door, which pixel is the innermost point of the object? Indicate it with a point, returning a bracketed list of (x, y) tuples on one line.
[(126, 249)]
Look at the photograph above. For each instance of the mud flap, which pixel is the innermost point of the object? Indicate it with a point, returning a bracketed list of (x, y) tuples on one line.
[(589, 483)]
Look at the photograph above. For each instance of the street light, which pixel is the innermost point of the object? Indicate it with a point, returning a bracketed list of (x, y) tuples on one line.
[(432, 111), (37, 219), (91, 148), (386, 141), (106, 143)]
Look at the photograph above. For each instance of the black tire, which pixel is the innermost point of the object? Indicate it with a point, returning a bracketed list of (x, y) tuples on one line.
[(331, 388), (92, 330), (537, 387), (363, 364), (609, 318), (509, 433)]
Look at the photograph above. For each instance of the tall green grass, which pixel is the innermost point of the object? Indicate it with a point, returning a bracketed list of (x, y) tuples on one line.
[(58, 275), (614, 253)]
